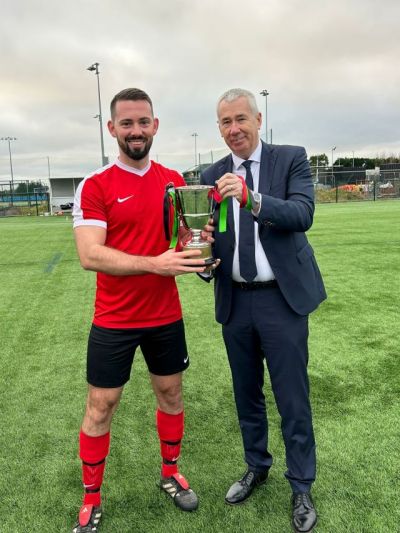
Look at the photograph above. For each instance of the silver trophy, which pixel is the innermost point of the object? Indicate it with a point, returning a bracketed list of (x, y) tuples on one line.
[(195, 206)]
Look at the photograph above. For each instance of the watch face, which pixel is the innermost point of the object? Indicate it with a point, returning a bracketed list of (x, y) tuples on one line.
[(255, 197)]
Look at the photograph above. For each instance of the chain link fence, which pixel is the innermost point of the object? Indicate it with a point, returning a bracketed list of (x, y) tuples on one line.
[(353, 185), (17, 204), (331, 184)]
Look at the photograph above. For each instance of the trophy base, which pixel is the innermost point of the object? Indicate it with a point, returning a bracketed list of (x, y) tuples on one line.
[(205, 249)]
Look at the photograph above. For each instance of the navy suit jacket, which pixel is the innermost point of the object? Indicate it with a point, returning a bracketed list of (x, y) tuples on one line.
[(286, 213)]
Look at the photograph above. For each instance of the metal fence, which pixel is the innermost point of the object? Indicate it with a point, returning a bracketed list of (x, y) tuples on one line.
[(18, 204), (332, 188), (329, 188), (345, 186)]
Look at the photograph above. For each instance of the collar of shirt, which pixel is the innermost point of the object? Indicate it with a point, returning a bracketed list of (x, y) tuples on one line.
[(132, 170), (255, 156)]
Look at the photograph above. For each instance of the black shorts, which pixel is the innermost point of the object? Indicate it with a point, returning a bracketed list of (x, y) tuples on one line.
[(111, 351)]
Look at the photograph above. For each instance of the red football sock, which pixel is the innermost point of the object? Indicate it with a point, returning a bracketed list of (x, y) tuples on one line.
[(93, 452), (170, 431)]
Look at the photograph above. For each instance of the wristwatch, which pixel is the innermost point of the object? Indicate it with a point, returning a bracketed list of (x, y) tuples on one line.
[(255, 198)]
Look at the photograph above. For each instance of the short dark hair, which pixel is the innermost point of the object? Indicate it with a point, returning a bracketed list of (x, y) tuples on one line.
[(129, 94)]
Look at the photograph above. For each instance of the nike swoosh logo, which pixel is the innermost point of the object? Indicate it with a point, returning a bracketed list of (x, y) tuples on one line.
[(120, 200), (186, 360)]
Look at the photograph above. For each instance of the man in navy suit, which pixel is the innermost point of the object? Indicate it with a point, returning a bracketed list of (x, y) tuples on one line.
[(266, 285)]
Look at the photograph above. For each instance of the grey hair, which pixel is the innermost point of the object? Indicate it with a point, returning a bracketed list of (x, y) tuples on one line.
[(233, 94)]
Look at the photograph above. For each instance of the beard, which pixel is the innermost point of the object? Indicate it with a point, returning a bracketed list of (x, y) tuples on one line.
[(137, 153)]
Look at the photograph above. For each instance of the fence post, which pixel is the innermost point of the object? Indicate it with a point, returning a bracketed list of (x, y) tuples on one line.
[(374, 190), (337, 193), (37, 207)]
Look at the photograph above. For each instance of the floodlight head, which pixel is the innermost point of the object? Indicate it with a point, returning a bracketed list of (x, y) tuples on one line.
[(93, 67)]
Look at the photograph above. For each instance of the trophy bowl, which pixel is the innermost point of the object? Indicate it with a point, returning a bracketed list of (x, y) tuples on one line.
[(195, 205)]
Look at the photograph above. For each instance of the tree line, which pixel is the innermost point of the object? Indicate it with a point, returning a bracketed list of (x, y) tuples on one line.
[(24, 187), (356, 162)]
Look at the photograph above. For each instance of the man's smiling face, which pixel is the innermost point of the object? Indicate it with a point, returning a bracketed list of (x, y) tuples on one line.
[(239, 126), (134, 127)]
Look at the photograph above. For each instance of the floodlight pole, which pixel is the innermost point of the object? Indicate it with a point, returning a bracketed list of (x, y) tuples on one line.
[(48, 167), (9, 139), (195, 150), (95, 68), (265, 93), (333, 149)]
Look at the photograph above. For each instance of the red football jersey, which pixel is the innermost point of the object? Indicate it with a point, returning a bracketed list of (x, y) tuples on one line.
[(129, 205)]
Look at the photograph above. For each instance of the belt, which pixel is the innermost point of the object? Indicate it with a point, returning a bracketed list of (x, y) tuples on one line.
[(254, 285)]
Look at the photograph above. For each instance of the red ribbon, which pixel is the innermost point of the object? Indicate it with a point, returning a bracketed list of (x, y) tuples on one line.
[(245, 192), (218, 198), (215, 194)]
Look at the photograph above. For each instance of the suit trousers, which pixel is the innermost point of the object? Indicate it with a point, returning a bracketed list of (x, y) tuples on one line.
[(262, 327)]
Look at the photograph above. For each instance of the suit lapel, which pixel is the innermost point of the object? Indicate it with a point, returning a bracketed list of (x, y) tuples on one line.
[(267, 164)]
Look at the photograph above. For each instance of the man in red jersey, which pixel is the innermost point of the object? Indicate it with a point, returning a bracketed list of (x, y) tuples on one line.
[(119, 233)]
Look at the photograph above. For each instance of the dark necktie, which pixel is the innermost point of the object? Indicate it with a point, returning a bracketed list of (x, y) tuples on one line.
[(247, 257)]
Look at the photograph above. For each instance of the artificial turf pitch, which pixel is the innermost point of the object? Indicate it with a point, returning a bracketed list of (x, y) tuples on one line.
[(46, 304)]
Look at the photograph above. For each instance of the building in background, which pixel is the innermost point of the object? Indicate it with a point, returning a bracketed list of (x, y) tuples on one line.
[(62, 192)]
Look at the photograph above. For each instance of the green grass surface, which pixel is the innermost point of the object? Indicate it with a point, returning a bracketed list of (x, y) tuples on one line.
[(46, 303)]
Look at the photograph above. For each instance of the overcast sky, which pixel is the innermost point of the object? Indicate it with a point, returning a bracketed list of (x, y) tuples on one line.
[(331, 68)]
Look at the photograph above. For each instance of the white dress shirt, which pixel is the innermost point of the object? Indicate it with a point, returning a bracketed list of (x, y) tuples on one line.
[(264, 271)]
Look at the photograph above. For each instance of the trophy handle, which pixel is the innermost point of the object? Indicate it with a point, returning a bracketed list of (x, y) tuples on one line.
[(170, 198)]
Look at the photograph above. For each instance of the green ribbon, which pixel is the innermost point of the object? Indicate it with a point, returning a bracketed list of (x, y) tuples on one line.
[(248, 205), (223, 210)]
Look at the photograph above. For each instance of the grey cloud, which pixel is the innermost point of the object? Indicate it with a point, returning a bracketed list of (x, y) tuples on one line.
[(330, 69)]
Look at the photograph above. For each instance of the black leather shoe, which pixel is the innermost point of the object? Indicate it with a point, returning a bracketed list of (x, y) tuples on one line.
[(304, 514), (241, 490)]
